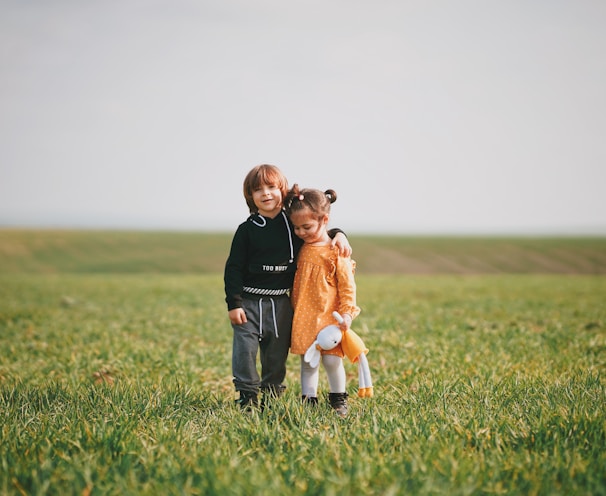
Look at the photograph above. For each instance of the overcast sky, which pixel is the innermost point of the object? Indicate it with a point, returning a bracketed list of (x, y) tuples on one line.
[(426, 116)]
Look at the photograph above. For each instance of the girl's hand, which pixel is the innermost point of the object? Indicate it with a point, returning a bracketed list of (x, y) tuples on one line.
[(342, 244), (346, 324), (237, 316)]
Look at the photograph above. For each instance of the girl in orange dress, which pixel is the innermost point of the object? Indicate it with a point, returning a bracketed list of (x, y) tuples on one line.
[(324, 283)]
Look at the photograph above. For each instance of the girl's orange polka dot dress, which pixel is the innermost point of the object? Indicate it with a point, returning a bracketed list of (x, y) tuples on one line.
[(324, 282)]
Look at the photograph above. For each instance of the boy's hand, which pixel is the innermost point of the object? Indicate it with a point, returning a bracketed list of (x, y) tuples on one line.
[(342, 244), (237, 316)]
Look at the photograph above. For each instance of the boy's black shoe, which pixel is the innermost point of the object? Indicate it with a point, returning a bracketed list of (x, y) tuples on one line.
[(273, 391), (270, 393), (247, 400)]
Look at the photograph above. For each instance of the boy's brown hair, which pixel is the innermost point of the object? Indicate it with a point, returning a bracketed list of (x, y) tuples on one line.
[(257, 177)]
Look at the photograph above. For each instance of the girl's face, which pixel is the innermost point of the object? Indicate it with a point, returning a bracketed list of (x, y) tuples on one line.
[(308, 227), (268, 199)]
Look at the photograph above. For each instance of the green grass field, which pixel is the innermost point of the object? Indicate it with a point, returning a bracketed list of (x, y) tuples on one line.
[(117, 382)]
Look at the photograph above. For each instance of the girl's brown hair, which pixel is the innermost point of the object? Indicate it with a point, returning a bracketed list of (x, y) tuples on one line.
[(259, 176), (313, 199)]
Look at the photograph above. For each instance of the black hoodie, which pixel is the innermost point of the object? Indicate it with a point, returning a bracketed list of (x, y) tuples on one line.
[(262, 256)]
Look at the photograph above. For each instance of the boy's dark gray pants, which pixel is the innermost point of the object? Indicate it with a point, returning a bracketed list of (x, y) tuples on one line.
[(265, 315)]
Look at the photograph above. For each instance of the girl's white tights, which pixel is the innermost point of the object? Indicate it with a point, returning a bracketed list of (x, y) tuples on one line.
[(334, 370)]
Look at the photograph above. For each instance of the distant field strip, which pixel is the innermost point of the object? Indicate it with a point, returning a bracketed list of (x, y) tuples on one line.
[(56, 251)]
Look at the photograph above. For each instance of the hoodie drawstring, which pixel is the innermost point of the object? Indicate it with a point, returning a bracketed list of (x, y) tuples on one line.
[(273, 311), (263, 222), (292, 251)]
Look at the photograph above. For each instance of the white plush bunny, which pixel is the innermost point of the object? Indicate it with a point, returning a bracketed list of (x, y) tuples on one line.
[(327, 339), (353, 347)]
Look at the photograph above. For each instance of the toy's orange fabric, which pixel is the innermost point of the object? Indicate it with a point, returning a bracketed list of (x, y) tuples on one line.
[(352, 345), (324, 283), (367, 392)]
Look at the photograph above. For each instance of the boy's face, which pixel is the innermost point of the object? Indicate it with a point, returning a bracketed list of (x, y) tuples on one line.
[(268, 199)]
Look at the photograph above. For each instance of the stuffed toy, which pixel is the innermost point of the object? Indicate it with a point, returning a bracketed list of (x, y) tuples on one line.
[(353, 347)]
